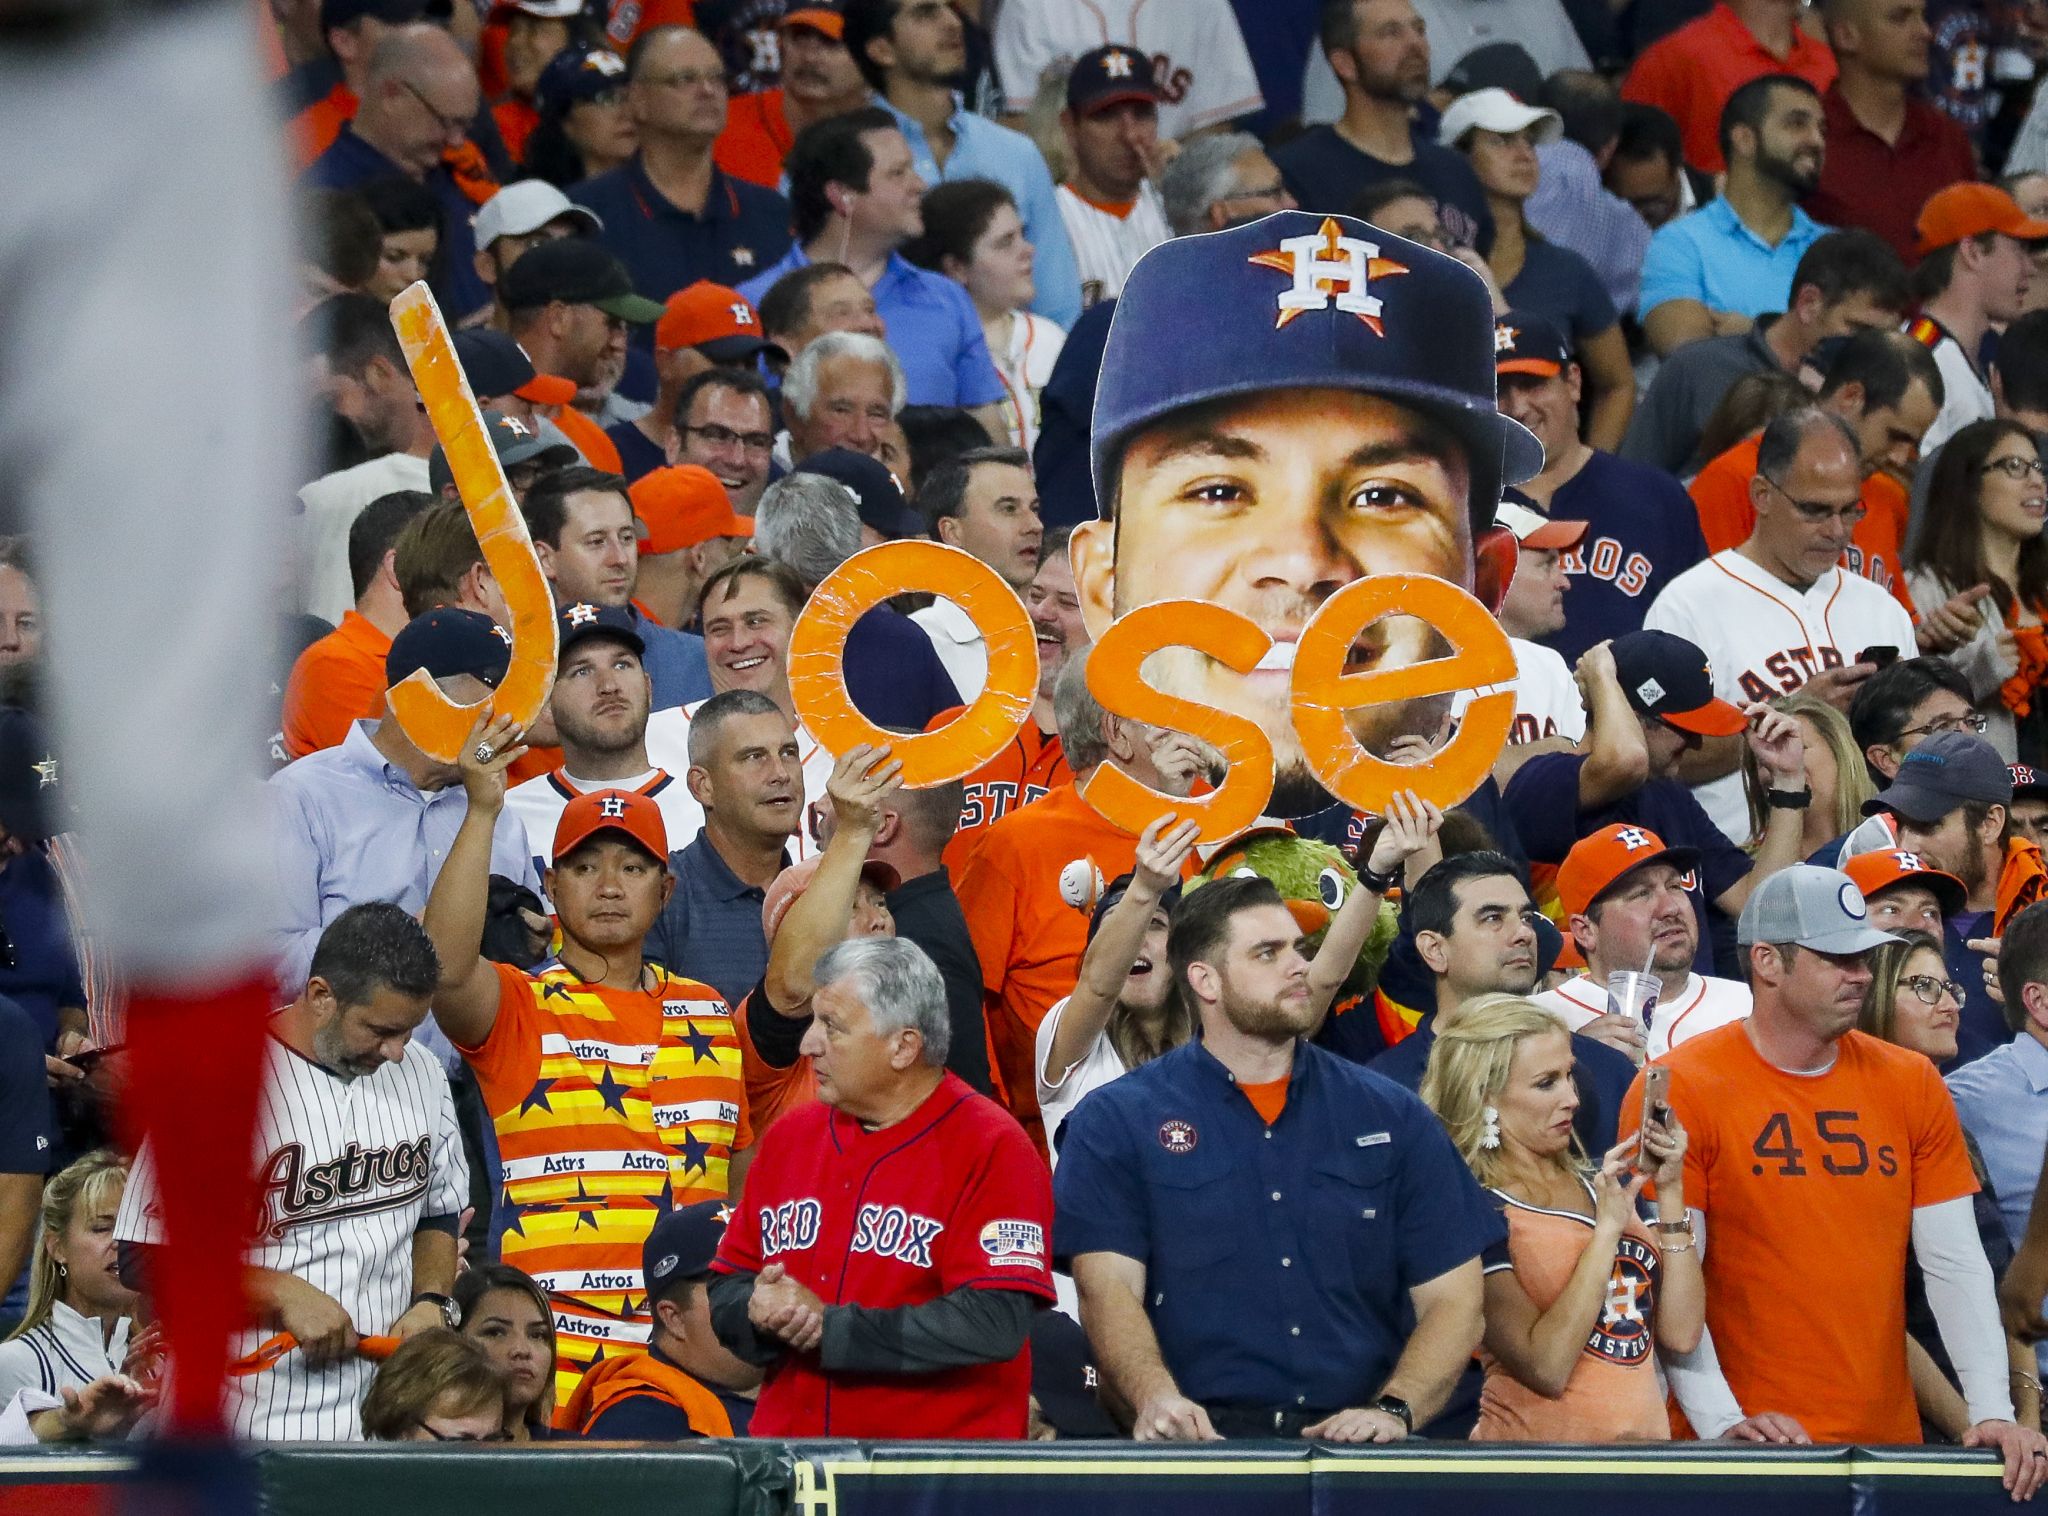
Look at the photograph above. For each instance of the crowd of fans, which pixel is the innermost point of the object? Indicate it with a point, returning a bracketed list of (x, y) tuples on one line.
[(1685, 1080)]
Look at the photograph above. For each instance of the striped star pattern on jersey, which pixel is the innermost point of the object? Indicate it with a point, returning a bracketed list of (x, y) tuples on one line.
[(617, 1106)]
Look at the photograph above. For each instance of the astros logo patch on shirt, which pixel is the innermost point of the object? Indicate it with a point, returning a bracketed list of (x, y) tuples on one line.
[(1178, 1136)]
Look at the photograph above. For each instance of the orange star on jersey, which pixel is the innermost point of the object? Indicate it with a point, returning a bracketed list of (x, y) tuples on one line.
[(1326, 266)]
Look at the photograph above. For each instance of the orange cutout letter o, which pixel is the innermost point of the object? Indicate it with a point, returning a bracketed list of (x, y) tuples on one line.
[(817, 649), (436, 724), (1115, 681), (1323, 692)]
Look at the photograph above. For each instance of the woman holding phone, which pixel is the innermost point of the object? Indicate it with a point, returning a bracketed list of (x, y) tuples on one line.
[(1583, 1293)]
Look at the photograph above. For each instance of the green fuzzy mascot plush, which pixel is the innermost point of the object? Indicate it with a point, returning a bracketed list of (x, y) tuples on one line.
[(1314, 880)]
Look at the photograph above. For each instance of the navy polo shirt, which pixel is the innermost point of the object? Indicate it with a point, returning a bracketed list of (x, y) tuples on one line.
[(41, 975), (710, 930), (637, 456), (350, 162), (1544, 795), (742, 230), (893, 674), (1278, 1259)]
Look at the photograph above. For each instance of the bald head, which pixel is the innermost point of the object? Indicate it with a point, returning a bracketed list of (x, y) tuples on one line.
[(419, 97), (1883, 39)]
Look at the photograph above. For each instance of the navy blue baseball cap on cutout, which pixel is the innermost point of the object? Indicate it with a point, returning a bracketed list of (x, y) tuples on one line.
[(1297, 300), (447, 641)]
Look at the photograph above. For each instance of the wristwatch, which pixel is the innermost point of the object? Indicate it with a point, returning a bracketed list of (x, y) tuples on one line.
[(450, 1311), (1394, 1405)]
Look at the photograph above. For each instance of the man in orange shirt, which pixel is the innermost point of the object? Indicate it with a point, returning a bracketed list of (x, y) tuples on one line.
[(614, 1085), (819, 79), (1817, 1154), (1886, 386), (1027, 887), (1692, 72), (1033, 764), (340, 679)]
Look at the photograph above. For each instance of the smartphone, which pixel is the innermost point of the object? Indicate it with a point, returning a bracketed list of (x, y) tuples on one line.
[(1656, 1104), (90, 1058), (1882, 655)]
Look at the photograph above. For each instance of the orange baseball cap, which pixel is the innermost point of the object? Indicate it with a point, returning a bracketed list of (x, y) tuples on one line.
[(819, 15), (1877, 871), (681, 506), (788, 886), (1599, 862), (720, 323), (638, 817), (1970, 210)]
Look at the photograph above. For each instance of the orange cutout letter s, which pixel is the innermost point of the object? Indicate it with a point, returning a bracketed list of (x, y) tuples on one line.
[(1115, 681), (817, 651), (436, 724), (1323, 692)]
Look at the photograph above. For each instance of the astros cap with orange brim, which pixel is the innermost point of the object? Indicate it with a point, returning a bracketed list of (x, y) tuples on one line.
[(632, 815), (1667, 677)]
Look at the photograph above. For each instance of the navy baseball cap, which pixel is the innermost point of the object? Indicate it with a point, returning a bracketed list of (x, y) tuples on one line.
[(874, 490), (1942, 773), (575, 75), (335, 13), (2027, 780), (515, 441), (1118, 888), (1107, 76), (1297, 300), (682, 1244), (582, 621), (447, 641), (1667, 677), (1525, 343)]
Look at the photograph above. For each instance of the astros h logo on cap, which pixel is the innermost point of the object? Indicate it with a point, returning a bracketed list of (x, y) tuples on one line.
[(1328, 264)]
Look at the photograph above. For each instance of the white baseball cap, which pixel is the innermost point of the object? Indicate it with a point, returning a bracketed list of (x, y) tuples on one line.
[(1533, 529), (520, 209), (1495, 110), (548, 10)]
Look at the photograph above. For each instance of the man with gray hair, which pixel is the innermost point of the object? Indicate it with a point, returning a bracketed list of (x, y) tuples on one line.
[(893, 673), (844, 390), (1780, 613), (1218, 181), (1020, 886), (891, 1245), (746, 771)]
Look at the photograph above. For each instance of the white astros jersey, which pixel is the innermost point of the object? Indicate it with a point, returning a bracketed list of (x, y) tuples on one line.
[(1547, 700), (1702, 1004), (1107, 244), (347, 1167), (1197, 52), (1763, 638)]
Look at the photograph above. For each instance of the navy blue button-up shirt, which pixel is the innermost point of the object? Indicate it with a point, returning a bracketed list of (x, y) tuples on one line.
[(350, 162), (710, 930), (743, 229), (1278, 1259)]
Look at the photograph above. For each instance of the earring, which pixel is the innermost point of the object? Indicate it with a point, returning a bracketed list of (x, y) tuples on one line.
[(1490, 1136), (63, 1272)]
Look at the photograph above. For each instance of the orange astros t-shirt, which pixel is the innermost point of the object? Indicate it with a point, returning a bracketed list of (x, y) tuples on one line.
[(1028, 939), (755, 139), (1809, 1184), (1031, 765), (336, 682)]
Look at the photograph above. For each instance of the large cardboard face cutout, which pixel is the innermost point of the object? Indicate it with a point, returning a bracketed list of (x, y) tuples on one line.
[(436, 724)]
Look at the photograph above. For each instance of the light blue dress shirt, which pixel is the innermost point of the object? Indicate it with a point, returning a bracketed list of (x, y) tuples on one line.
[(984, 150), (674, 662), (933, 331), (1712, 257), (350, 827), (2003, 1101)]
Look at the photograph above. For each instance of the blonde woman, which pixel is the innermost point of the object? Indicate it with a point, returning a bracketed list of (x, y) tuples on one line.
[(1835, 772), (1582, 1294), (78, 1321)]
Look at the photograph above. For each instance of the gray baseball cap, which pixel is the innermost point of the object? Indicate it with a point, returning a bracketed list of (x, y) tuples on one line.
[(1812, 908)]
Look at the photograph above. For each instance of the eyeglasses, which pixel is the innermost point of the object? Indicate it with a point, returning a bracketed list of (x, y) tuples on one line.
[(1930, 990), (725, 436), (453, 126), (1970, 721), (686, 78), (2016, 467), (428, 1428), (1815, 512)]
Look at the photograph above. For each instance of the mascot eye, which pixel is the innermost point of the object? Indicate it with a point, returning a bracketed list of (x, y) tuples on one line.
[(1330, 886), (1246, 872)]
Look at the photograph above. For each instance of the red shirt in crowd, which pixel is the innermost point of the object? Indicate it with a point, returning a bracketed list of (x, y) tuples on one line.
[(1881, 185), (1692, 72)]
